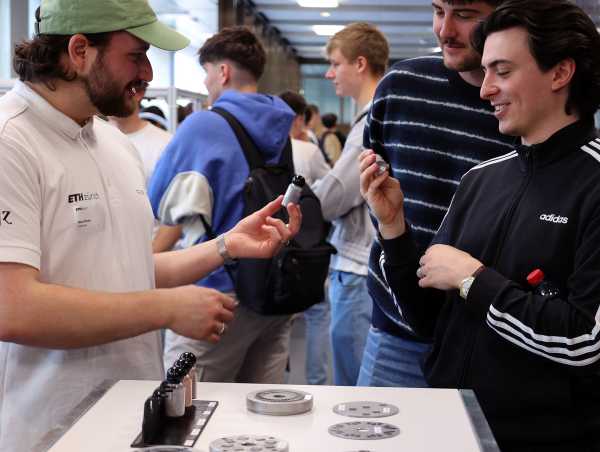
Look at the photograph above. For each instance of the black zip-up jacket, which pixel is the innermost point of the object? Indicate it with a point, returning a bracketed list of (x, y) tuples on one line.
[(532, 361)]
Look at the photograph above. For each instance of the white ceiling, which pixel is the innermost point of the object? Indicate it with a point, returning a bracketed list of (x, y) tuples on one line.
[(405, 23)]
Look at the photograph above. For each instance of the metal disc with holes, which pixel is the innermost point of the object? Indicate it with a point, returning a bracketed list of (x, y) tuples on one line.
[(366, 409), (279, 402), (364, 430), (249, 443)]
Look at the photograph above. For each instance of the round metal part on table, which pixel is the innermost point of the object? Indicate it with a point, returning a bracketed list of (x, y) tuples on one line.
[(279, 402), (366, 409), (249, 443), (364, 430)]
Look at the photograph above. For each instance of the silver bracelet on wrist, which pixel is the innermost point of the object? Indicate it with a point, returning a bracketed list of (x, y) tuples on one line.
[(222, 250)]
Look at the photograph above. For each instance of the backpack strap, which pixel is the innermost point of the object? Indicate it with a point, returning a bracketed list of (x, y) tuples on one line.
[(359, 117), (252, 154), (286, 158), (209, 231), (325, 156)]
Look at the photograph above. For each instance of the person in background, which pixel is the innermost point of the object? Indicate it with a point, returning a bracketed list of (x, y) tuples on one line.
[(149, 141), (200, 180), (183, 112), (309, 162), (330, 141), (312, 120), (358, 57), (78, 303), (313, 125), (527, 348), (429, 123), (155, 115)]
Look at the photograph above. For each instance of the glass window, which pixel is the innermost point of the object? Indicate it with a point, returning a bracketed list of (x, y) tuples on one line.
[(198, 20), (320, 91)]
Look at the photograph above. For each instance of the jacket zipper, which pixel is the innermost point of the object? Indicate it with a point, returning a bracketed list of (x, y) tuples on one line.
[(504, 232)]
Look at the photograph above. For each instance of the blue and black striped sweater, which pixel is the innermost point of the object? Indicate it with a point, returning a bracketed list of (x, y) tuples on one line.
[(432, 127)]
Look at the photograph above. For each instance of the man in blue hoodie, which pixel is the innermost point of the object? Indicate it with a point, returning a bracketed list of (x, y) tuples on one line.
[(202, 174)]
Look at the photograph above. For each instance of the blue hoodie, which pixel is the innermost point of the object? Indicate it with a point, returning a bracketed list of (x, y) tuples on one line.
[(203, 169)]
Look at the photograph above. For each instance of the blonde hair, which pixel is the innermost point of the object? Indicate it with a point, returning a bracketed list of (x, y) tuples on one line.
[(362, 39)]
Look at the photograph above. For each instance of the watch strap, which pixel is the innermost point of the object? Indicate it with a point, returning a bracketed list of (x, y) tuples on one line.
[(222, 250)]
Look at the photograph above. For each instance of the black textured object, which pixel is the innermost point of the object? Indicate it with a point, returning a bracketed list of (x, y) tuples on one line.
[(182, 431), (293, 280)]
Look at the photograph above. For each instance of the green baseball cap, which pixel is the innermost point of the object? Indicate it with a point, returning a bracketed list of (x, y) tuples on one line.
[(69, 17)]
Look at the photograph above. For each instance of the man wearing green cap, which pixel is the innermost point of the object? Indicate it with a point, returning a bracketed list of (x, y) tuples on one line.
[(77, 274)]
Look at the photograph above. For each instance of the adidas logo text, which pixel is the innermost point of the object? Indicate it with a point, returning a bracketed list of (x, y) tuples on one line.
[(554, 218)]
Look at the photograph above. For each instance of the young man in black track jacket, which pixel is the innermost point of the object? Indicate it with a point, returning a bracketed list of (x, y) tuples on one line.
[(532, 359)]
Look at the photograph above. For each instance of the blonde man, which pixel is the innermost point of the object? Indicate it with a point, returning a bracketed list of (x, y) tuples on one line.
[(358, 57)]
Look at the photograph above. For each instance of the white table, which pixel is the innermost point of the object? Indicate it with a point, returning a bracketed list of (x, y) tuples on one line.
[(429, 419)]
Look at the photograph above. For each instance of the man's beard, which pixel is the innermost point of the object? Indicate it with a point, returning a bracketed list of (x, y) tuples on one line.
[(470, 62), (105, 92)]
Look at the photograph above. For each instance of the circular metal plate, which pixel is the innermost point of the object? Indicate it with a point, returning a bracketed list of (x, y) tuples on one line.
[(366, 409), (279, 402), (249, 443), (364, 430)]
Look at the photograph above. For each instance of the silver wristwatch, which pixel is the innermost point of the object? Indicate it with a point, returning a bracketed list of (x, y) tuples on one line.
[(465, 285), (222, 250)]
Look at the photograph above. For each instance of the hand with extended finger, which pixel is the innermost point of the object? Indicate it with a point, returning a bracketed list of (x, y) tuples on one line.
[(444, 267), (259, 235), (383, 195), (199, 312)]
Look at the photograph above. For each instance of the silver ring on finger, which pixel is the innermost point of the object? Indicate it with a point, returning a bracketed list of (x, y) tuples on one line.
[(222, 329), (420, 272)]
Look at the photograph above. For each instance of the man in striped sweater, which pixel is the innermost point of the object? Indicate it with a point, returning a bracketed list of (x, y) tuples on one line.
[(430, 124)]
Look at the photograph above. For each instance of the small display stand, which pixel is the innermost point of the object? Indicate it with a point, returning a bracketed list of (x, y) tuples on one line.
[(184, 430)]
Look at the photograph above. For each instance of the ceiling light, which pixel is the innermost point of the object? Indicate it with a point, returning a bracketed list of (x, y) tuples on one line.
[(325, 14), (327, 30), (318, 3)]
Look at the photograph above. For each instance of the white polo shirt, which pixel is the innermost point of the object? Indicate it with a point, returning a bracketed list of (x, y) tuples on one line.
[(73, 204)]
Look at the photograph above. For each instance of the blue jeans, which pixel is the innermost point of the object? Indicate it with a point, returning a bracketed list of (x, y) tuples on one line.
[(351, 308), (392, 361), (316, 319)]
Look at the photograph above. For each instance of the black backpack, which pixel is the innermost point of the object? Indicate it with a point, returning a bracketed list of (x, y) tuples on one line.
[(294, 279)]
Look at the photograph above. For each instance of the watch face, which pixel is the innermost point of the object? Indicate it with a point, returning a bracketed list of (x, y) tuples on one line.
[(465, 285)]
